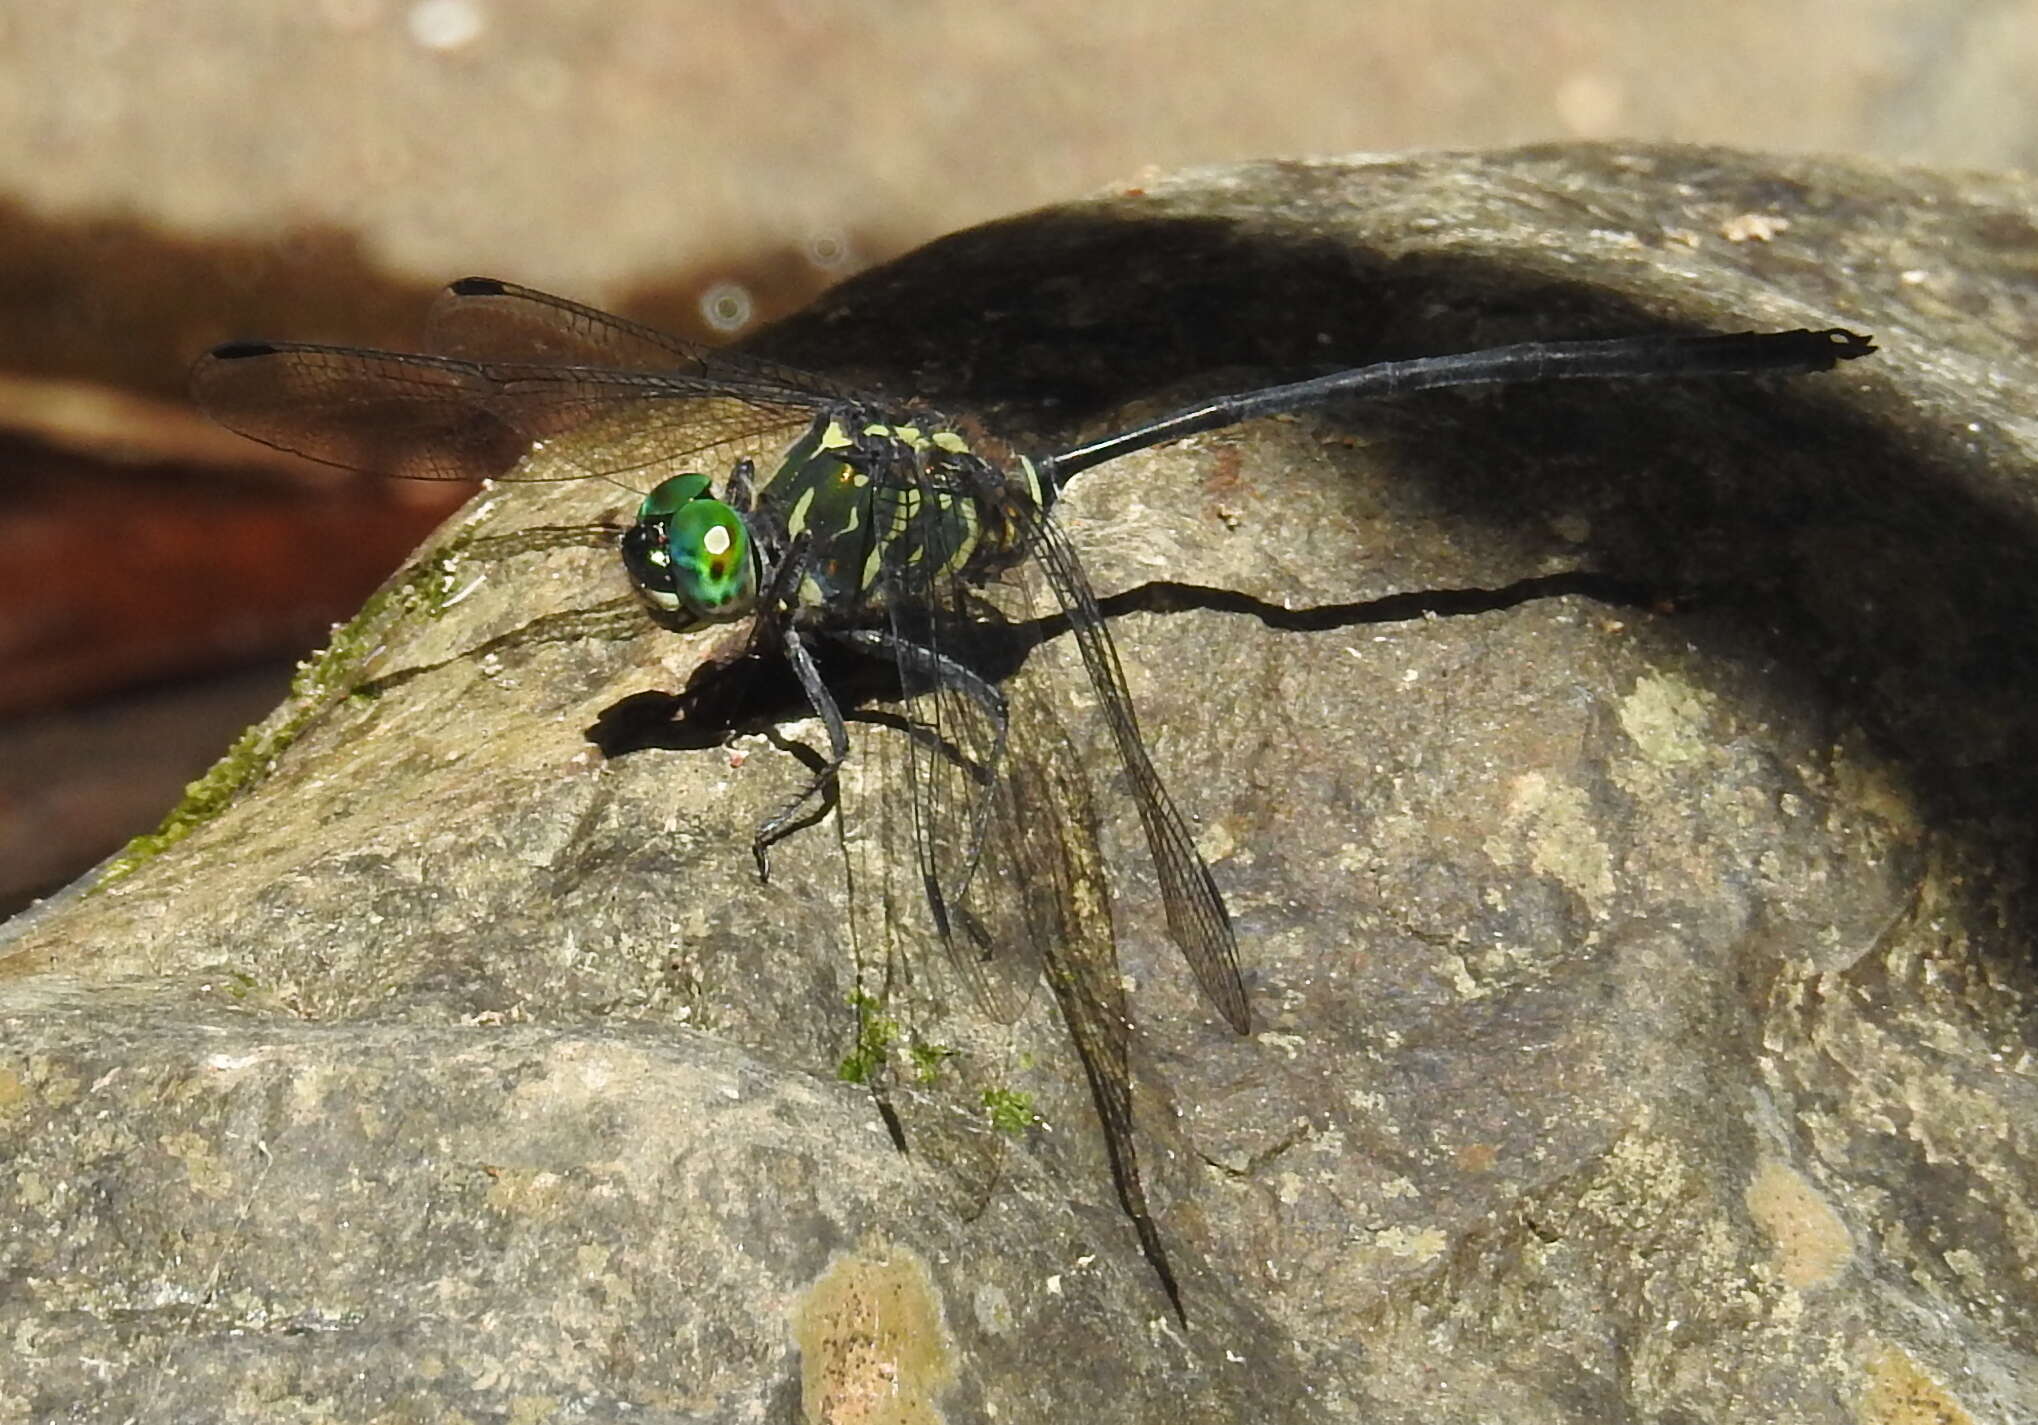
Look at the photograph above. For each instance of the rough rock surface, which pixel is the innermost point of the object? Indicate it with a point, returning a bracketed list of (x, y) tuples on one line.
[(1621, 791)]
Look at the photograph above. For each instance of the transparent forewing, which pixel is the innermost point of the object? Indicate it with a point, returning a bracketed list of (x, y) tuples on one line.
[(481, 319), (955, 763), (639, 434), (1050, 900), (442, 418), (373, 411), (955, 638), (484, 319), (1197, 920)]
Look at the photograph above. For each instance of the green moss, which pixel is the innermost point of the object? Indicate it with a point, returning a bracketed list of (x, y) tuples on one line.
[(874, 1036), (1009, 1110), (878, 1034), (422, 589), (928, 1059)]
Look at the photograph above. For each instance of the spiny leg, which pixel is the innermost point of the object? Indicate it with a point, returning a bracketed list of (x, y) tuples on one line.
[(936, 666), (739, 492), (787, 561), (775, 619), (877, 644), (776, 828)]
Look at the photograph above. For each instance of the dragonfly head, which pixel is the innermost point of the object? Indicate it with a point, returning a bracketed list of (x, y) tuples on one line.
[(690, 555)]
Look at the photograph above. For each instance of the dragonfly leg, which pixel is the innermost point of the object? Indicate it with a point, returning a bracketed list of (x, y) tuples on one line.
[(787, 562), (740, 492), (936, 667), (792, 817), (776, 621)]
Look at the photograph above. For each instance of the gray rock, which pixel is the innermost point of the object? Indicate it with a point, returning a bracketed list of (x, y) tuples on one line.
[(1620, 790)]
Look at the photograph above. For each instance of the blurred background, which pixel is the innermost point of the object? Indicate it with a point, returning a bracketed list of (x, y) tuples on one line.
[(173, 174)]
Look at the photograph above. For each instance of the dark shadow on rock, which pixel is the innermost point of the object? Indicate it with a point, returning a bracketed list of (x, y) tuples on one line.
[(754, 692), (1888, 557)]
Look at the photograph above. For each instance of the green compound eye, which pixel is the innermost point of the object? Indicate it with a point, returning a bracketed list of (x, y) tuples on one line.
[(690, 553)]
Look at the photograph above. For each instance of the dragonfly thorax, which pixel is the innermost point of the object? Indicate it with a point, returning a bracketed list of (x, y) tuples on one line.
[(886, 506)]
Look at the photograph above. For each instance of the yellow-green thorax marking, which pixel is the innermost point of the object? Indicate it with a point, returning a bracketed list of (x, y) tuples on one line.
[(877, 509)]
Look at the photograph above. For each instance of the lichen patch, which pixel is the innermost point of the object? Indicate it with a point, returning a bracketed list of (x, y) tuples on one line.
[(874, 1347)]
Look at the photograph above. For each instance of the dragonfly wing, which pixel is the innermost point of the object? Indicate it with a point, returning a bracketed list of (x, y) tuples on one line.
[(447, 418), (1197, 920), (486, 319), (1042, 857), (376, 411), (956, 758), (483, 319)]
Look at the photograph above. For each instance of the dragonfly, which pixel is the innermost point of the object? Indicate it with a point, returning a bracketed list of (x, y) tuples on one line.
[(842, 522)]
